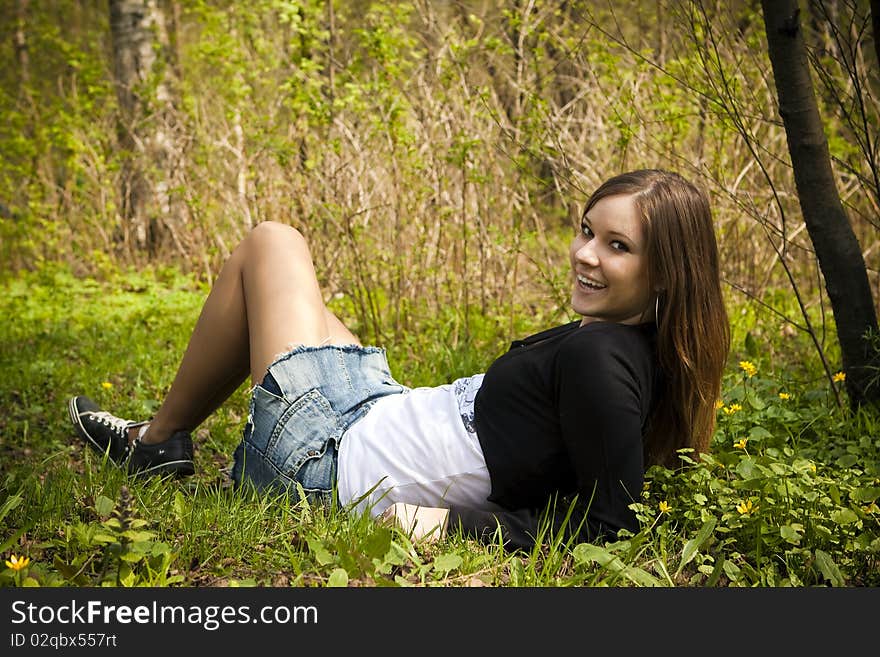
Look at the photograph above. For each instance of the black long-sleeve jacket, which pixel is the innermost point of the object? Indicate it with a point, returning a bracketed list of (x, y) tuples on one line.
[(560, 418)]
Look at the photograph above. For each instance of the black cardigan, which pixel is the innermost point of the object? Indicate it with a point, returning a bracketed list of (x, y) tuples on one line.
[(561, 414)]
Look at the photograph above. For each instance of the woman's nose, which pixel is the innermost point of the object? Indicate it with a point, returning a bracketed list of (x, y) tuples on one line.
[(587, 253)]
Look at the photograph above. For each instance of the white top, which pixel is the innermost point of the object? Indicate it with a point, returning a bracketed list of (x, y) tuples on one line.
[(418, 447)]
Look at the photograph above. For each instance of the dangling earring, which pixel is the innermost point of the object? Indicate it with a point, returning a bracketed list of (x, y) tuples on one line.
[(657, 310)]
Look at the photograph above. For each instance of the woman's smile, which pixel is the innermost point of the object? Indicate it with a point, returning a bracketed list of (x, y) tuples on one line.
[(589, 285)]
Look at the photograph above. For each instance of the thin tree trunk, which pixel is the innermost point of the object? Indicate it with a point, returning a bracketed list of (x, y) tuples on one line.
[(837, 248), (875, 27), (331, 52), (174, 49), (146, 126), (660, 34), (242, 170), (21, 47)]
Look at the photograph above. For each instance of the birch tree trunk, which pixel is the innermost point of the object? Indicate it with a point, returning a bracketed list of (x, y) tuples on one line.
[(145, 122), (837, 248)]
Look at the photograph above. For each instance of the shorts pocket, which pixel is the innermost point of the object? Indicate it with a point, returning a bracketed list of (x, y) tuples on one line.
[(303, 433), (265, 410)]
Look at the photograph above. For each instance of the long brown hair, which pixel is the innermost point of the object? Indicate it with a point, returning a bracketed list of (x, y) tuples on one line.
[(693, 333)]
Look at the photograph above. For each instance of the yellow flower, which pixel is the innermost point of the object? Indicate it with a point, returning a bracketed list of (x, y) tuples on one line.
[(748, 367), (733, 408), (784, 395), (17, 563), (106, 385), (741, 443), (813, 467), (664, 506), (746, 507), (871, 508), (719, 404), (838, 377)]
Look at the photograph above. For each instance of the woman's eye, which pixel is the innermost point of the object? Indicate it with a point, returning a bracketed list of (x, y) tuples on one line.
[(617, 245)]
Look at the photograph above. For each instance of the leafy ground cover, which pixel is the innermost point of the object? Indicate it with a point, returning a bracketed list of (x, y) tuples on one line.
[(788, 495)]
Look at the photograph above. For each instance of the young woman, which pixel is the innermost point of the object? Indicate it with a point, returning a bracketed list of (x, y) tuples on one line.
[(556, 434)]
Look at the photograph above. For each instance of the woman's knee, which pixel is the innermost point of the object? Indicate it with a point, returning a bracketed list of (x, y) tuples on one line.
[(272, 235)]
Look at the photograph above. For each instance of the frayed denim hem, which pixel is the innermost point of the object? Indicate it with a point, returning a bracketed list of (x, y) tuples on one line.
[(293, 349)]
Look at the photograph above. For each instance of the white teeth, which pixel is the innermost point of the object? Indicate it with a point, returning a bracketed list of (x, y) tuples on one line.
[(590, 283)]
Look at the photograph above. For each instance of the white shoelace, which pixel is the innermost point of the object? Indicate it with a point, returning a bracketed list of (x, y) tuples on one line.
[(112, 421)]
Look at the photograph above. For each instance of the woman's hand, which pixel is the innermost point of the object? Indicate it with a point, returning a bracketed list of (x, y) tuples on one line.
[(418, 522)]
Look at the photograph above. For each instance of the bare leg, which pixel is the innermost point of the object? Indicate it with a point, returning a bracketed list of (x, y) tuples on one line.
[(265, 300)]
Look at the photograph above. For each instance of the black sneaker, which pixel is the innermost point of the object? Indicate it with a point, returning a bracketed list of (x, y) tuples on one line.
[(105, 433), (108, 434), (171, 457)]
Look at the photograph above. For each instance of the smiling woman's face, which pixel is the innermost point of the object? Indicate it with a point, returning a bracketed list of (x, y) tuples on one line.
[(610, 264)]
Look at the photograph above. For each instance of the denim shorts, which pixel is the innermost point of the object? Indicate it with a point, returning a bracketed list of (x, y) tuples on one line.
[(298, 413)]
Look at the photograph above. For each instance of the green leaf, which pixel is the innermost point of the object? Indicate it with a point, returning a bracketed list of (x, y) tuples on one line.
[(338, 578), (693, 545), (751, 345), (864, 494), (71, 572), (242, 583), (759, 433), (844, 516), (400, 580), (754, 401), (754, 484), (732, 571), (104, 506), (131, 557), (829, 568), (745, 468), (396, 555), (790, 534), (112, 523), (716, 572), (834, 494), (378, 543), (322, 555), (101, 537), (179, 506), (11, 502), (447, 562), (587, 552)]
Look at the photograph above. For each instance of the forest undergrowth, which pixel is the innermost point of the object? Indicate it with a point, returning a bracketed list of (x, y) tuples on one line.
[(788, 495)]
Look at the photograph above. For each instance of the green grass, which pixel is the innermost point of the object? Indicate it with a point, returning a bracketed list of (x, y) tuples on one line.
[(788, 496)]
